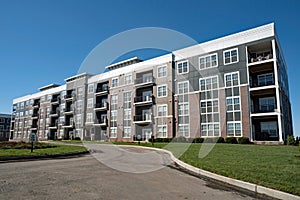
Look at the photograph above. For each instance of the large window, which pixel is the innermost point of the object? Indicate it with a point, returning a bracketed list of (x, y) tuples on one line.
[(89, 117), (162, 91), (210, 130), (90, 103), (208, 61), (231, 79), (209, 83), (265, 79), (113, 132), (115, 82), (267, 104), (182, 67), (162, 71), (127, 132), (184, 130), (270, 128), (183, 87), (230, 56), (162, 110)]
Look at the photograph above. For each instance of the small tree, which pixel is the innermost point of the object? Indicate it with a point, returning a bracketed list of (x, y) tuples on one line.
[(290, 140)]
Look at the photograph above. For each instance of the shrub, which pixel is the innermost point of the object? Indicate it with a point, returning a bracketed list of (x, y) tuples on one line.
[(290, 140), (163, 140), (231, 140), (198, 140), (77, 138), (244, 140), (221, 140)]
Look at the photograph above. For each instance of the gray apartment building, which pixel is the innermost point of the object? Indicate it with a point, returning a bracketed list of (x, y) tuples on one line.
[(4, 126), (234, 86)]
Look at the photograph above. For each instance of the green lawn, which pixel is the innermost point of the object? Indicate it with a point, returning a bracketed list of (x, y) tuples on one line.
[(275, 167), (42, 150)]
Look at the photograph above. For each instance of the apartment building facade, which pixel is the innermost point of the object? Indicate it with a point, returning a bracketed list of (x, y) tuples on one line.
[(4, 126), (234, 86)]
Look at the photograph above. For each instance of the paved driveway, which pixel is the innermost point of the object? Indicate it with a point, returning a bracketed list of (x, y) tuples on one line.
[(88, 178)]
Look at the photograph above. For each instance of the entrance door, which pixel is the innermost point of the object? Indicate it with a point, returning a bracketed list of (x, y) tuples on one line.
[(147, 132)]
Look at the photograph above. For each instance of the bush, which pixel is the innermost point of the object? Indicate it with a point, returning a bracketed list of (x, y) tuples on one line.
[(244, 140), (77, 138), (163, 140), (198, 140), (231, 140), (221, 140), (290, 140)]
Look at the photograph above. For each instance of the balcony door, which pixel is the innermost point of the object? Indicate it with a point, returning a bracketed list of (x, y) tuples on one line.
[(147, 77), (147, 95), (267, 104), (147, 132), (146, 114)]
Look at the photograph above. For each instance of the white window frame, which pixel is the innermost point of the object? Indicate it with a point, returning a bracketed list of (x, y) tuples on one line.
[(164, 72), (162, 105), (184, 134), (207, 129), (210, 62), (90, 103), (268, 123), (115, 130), (127, 135), (113, 84), (183, 82), (126, 82), (166, 133), (127, 110), (234, 130), (181, 62), (205, 80), (231, 80), (230, 50), (91, 88), (89, 118), (159, 86)]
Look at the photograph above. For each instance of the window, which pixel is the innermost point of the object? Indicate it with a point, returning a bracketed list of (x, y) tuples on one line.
[(42, 98), (78, 120), (90, 103), (62, 94), (114, 99), (265, 79), (267, 104), (162, 131), (90, 88), (128, 79), (127, 132), (230, 56), (127, 114), (270, 128), (162, 91), (208, 61), (233, 103), (232, 79), (80, 92), (22, 105), (210, 130), (49, 97), (113, 115), (182, 67), (183, 87), (115, 82), (89, 117), (162, 110), (21, 114), (183, 109), (162, 71), (234, 129), (183, 130), (209, 83), (79, 106), (113, 132)]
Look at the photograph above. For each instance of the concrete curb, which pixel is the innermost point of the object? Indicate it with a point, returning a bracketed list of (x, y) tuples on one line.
[(234, 182), (41, 157)]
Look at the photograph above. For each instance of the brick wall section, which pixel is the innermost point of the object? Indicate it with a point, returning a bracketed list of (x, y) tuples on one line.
[(222, 112), (194, 101), (245, 118)]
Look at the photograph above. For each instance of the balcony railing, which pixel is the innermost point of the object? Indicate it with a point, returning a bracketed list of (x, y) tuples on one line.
[(35, 104), (257, 57), (54, 112), (34, 115), (144, 80), (102, 122), (69, 96), (102, 89), (55, 100), (263, 81), (143, 99), (265, 108), (142, 118), (103, 105)]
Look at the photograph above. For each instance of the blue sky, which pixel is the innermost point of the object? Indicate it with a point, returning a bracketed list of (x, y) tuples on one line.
[(53, 37)]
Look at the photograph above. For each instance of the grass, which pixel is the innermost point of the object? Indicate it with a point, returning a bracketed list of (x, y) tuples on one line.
[(276, 167), (9, 149)]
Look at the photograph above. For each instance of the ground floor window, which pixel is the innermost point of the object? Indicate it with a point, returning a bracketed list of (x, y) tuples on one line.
[(270, 128), (162, 131), (234, 129), (184, 130), (210, 130), (113, 132), (127, 132)]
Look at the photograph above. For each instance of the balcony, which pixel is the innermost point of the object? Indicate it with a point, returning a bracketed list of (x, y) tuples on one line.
[(36, 104), (55, 100), (53, 125), (69, 97), (54, 113), (68, 124), (103, 90), (102, 122), (144, 81), (143, 100), (142, 119), (69, 111), (101, 106), (33, 126), (34, 115), (259, 57)]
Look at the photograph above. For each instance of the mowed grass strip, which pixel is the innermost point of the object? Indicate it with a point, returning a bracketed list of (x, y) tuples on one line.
[(21, 149), (276, 167)]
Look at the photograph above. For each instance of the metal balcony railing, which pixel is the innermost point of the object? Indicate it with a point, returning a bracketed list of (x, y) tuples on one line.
[(264, 108), (140, 99), (101, 105), (144, 80), (102, 89), (142, 118)]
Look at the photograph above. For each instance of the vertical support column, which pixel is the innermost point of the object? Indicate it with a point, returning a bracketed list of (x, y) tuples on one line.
[(249, 99), (277, 91)]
